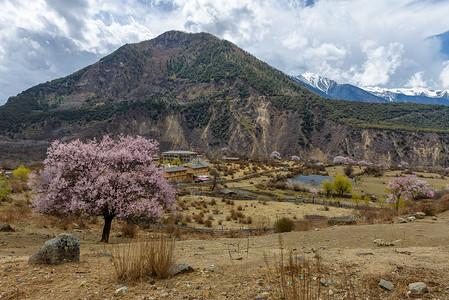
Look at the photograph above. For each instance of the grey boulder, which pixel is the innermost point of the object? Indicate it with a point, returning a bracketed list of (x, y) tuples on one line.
[(180, 269), (417, 288), (62, 249)]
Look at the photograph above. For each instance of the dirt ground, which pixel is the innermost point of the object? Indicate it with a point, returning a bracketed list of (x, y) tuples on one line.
[(239, 270)]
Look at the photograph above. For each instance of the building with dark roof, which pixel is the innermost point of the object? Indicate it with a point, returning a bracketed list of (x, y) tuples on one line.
[(176, 174), (183, 156)]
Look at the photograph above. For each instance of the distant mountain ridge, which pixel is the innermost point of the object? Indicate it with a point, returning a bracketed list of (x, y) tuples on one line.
[(328, 88), (415, 95), (198, 92), (331, 89)]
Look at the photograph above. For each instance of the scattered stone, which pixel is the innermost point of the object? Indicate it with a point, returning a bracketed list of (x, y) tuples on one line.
[(211, 268), (386, 285), (411, 219), (121, 290), (418, 288), (401, 220), (319, 248), (420, 215), (181, 269), (434, 218), (381, 242), (259, 282), (264, 295), (299, 258), (63, 248), (364, 253), (323, 281), (107, 254), (6, 228), (343, 220)]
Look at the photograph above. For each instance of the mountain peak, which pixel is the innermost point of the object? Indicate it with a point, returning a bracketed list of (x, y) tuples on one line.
[(319, 82)]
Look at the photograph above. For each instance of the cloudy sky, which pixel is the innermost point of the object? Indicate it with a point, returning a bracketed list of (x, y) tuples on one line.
[(364, 42)]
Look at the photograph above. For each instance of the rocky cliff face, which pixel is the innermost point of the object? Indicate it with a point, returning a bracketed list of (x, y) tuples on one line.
[(194, 91)]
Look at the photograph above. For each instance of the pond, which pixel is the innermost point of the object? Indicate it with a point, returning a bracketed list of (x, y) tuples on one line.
[(312, 180)]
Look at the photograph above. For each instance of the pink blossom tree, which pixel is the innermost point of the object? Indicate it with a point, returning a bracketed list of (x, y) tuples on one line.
[(407, 188), (108, 178), (313, 193)]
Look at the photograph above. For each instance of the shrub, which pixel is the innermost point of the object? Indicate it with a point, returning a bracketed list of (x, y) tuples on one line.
[(284, 225), (5, 187), (129, 230), (327, 187), (348, 170), (143, 260), (208, 223), (21, 173), (341, 184)]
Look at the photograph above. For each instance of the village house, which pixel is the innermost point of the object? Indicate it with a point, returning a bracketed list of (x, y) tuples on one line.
[(183, 156), (176, 174), (198, 172)]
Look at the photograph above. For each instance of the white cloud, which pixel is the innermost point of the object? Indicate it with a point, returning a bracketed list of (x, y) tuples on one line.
[(417, 80), (444, 75), (381, 62), (353, 41)]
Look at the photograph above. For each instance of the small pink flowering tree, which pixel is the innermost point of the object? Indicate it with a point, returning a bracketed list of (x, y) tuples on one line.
[(407, 188), (108, 178), (313, 193)]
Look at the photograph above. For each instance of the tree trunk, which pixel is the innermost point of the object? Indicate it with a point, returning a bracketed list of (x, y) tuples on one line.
[(107, 228)]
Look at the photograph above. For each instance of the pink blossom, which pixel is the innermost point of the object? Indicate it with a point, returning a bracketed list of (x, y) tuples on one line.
[(407, 188), (108, 178)]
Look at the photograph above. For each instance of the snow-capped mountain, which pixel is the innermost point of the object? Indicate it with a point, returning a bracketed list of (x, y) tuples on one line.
[(417, 95), (331, 89), (318, 82)]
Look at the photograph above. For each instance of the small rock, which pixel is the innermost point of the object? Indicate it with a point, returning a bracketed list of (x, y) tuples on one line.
[(121, 290), (401, 220), (420, 215), (180, 269), (323, 281), (364, 253), (6, 228), (411, 219), (107, 254), (264, 295), (386, 285), (417, 288), (211, 268), (434, 218), (299, 258)]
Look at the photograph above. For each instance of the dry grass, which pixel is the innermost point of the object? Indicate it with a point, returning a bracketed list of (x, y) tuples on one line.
[(376, 216), (300, 279), (143, 260), (129, 230), (16, 211)]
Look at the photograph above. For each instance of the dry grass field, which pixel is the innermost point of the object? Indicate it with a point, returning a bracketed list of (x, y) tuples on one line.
[(336, 262)]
